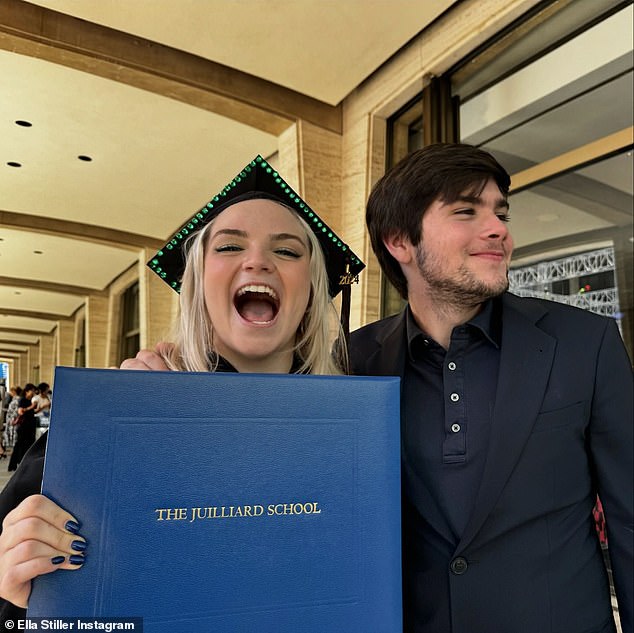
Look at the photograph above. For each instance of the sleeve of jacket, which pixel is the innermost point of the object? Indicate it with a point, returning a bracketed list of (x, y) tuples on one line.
[(26, 481), (357, 354), (612, 450)]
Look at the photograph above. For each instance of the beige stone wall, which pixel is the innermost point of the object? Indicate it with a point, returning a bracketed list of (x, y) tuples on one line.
[(158, 304), (46, 358), (14, 371), (102, 316), (115, 293), (56, 348), (18, 373), (310, 161), (30, 369), (97, 320), (65, 340), (158, 307)]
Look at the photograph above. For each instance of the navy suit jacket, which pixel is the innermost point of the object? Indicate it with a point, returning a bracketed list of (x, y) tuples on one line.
[(529, 560)]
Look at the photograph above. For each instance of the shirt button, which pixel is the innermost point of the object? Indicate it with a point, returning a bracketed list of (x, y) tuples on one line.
[(452, 366), (459, 566), (454, 397), (455, 428)]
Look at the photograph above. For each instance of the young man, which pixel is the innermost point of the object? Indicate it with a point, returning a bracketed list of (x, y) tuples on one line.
[(515, 414)]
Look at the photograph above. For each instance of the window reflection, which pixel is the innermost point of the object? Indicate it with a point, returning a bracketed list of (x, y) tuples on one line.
[(567, 221)]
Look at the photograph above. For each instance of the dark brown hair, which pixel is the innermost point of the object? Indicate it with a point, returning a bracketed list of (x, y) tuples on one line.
[(398, 201)]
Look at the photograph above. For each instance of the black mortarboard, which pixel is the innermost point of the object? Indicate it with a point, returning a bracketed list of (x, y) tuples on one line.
[(258, 177)]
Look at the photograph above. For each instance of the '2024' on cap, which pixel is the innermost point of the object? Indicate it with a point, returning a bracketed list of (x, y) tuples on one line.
[(259, 180)]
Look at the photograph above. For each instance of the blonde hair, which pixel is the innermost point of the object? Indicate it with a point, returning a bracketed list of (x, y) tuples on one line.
[(192, 334)]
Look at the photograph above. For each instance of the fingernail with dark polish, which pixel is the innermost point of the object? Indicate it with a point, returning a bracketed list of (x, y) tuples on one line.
[(72, 527), (78, 546), (76, 559), (57, 560)]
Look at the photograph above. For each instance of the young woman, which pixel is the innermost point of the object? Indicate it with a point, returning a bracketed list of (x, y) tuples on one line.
[(12, 414), (25, 432), (261, 303), (257, 270), (42, 403)]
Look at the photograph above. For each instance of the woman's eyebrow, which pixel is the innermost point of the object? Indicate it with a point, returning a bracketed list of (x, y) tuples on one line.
[(236, 232), (278, 237), (274, 237)]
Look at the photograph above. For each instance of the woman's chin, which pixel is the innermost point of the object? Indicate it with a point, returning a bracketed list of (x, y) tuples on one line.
[(258, 353)]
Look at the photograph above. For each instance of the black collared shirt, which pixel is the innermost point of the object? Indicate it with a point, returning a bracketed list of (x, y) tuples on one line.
[(448, 398), (225, 366)]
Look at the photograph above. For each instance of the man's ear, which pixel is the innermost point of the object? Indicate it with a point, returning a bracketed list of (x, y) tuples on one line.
[(400, 248)]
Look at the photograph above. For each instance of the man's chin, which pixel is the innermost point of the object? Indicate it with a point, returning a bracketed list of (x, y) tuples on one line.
[(492, 291), (471, 294)]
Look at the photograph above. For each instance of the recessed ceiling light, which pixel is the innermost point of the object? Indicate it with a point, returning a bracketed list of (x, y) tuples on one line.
[(12, 163), (84, 158), (39, 252), (24, 123)]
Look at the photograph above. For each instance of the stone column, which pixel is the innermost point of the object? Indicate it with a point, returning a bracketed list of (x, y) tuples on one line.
[(32, 368), (65, 349), (18, 373), (96, 331), (364, 153), (158, 305), (46, 359), (310, 158), (14, 371)]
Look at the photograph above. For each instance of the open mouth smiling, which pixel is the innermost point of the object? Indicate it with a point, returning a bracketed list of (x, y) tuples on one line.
[(257, 303)]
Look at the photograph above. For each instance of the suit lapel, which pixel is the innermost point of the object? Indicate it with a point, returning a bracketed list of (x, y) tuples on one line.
[(389, 358), (525, 362)]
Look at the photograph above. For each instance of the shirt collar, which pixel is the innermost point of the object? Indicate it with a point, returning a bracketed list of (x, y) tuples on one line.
[(488, 321), (225, 366)]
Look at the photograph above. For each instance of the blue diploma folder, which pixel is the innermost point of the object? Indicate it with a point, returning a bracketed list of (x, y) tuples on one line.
[(228, 502)]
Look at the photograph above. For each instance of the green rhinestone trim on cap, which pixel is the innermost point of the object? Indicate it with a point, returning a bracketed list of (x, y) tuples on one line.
[(258, 177)]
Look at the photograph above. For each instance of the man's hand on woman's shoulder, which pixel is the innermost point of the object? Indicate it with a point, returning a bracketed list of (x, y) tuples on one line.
[(149, 360)]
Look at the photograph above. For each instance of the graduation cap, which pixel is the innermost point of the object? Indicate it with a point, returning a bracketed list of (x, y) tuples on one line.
[(259, 180)]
